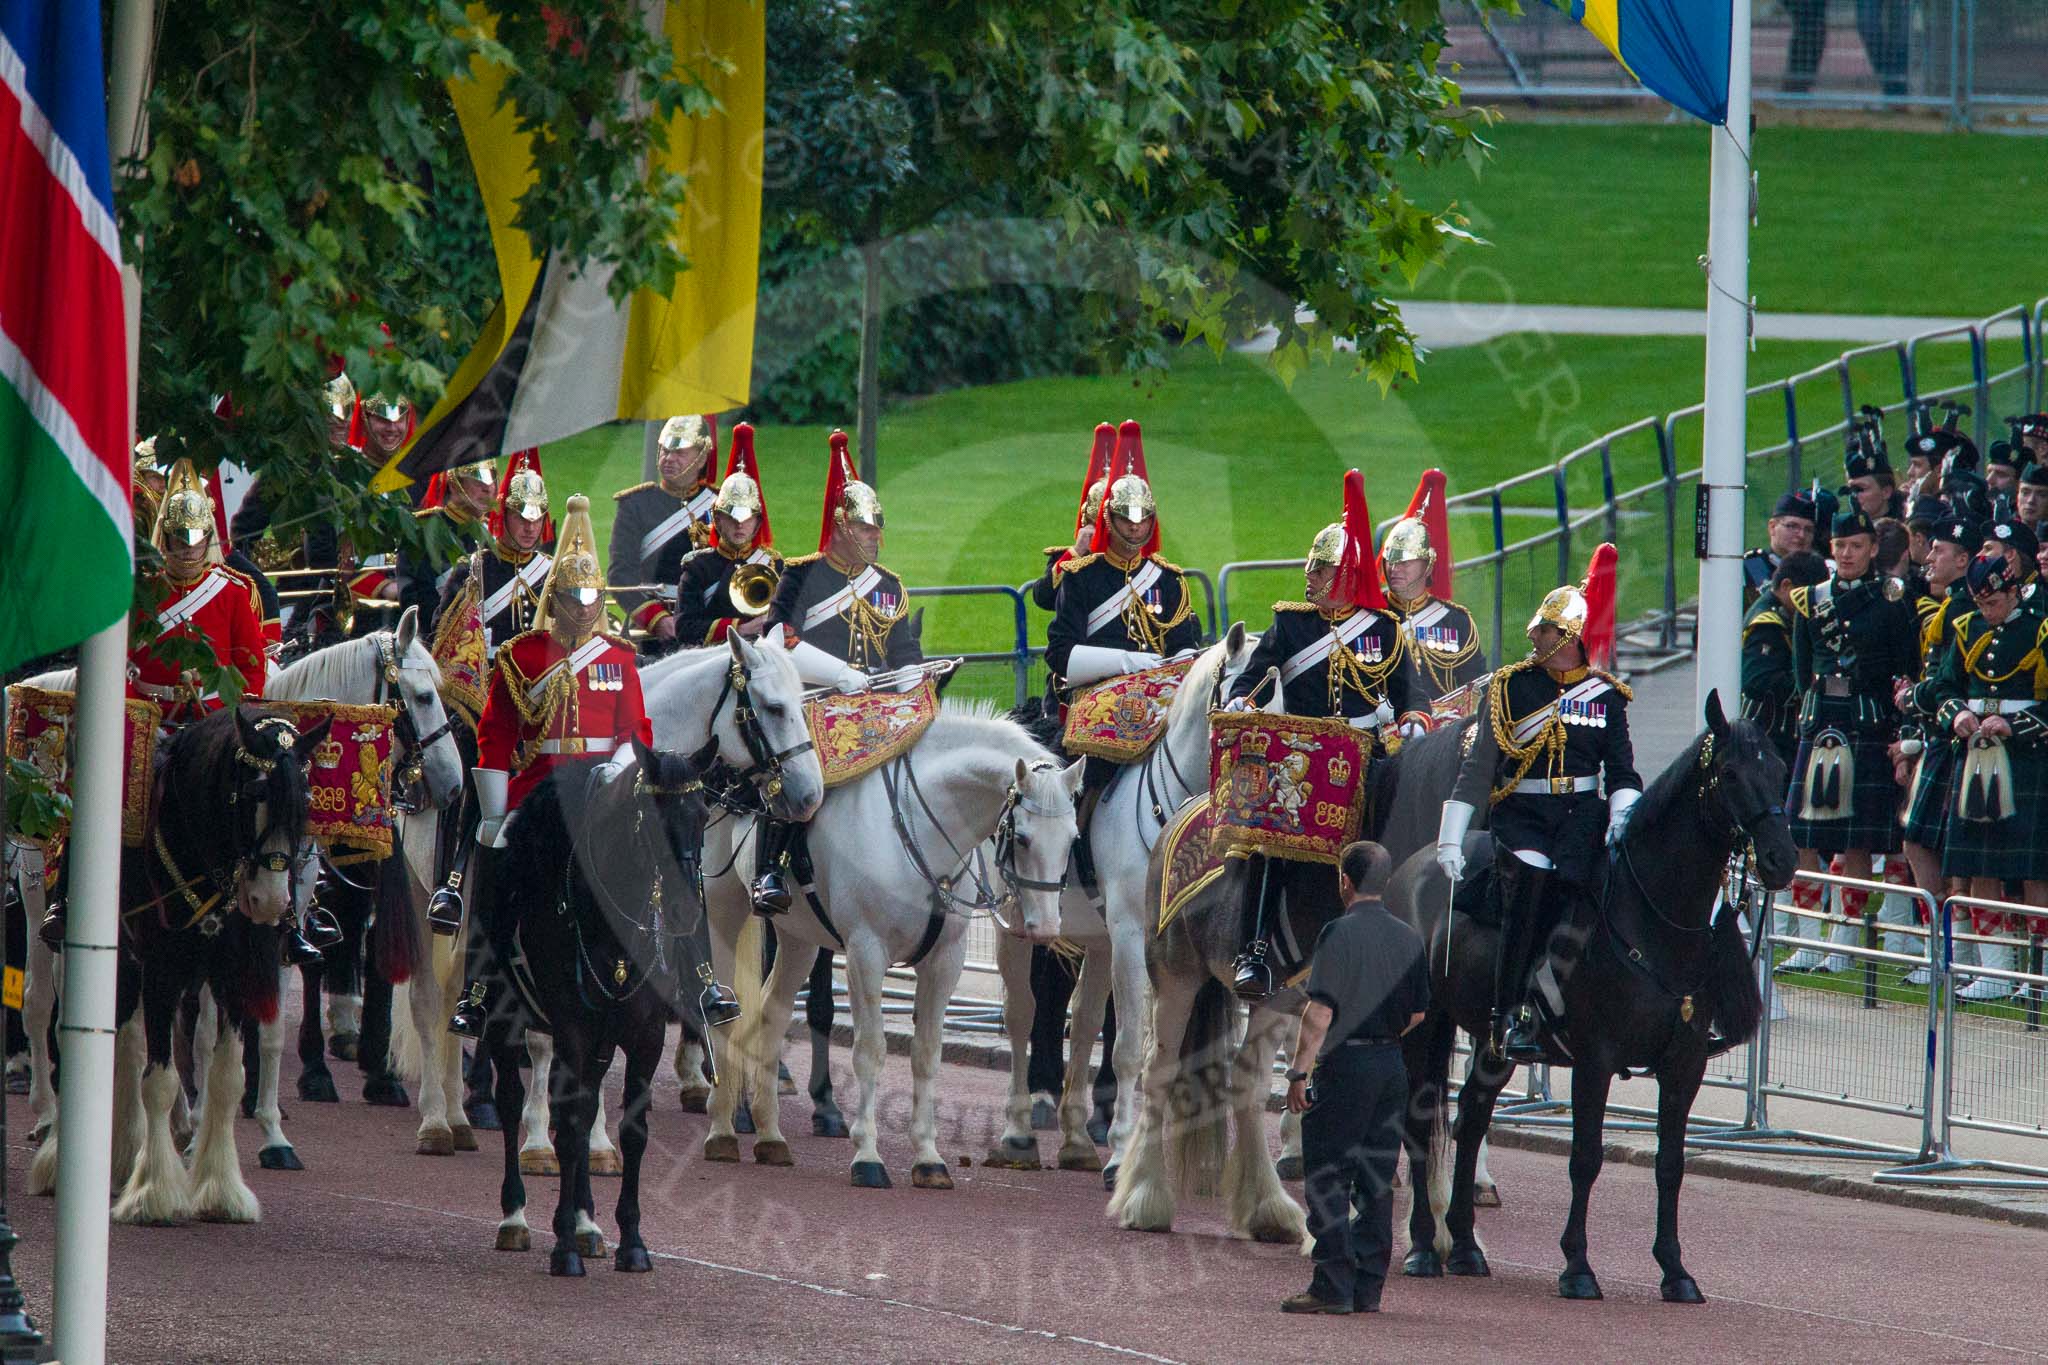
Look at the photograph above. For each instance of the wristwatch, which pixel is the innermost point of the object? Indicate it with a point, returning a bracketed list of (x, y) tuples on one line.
[(1293, 1076)]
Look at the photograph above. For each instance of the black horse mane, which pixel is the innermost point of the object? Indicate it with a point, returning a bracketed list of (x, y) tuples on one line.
[(1678, 782), (200, 771)]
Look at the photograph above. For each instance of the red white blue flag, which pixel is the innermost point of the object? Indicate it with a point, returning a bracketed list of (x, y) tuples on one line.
[(67, 567)]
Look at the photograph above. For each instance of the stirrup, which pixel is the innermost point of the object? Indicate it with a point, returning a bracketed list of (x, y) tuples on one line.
[(321, 929), (1524, 1041), (51, 930), (1252, 976), (444, 907), (468, 1019), (770, 895), (720, 1006)]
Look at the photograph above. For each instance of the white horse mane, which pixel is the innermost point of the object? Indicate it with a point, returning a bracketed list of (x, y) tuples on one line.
[(980, 720), (348, 669)]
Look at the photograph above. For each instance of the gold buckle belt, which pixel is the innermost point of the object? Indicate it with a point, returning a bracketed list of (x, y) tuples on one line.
[(1836, 687), (578, 746), (1556, 786)]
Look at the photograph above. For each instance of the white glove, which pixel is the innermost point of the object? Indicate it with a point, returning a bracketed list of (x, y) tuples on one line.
[(851, 680), (491, 785), (1450, 838), (621, 759), (1619, 804), (1238, 704), (815, 666), (1413, 729), (1093, 663)]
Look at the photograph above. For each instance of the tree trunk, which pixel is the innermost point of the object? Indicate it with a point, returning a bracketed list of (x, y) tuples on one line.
[(870, 355)]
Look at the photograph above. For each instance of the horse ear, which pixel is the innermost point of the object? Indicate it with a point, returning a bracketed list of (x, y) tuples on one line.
[(408, 629), (643, 754), (1716, 721), (245, 725), (1071, 776), (737, 645), (1023, 772), (309, 740), (1234, 640)]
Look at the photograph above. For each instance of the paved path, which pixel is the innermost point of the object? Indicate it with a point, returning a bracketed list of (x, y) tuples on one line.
[(1441, 325), (375, 1254)]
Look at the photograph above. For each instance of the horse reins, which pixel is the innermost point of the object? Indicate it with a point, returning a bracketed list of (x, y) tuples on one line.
[(725, 783)]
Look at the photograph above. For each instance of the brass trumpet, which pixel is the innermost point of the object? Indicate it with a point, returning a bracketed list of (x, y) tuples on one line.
[(751, 588)]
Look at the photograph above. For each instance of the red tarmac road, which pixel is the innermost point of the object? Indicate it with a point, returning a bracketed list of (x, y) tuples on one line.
[(375, 1254)]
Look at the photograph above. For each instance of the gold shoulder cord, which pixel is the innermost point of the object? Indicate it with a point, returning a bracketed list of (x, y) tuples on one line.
[(558, 694), (1148, 630), (1347, 670), (869, 626), (1547, 743), (1972, 653)]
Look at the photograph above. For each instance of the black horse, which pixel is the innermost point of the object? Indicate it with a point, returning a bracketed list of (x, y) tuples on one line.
[(200, 901), (1649, 979), (602, 909)]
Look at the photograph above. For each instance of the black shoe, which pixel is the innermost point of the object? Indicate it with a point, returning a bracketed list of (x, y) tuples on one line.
[(1307, 1302), (51, 930), (470, 1016), (298, 951), (1524, 1042), (1252, 979), (720, 1005), (321, 928), (771, 895), (444, 908)]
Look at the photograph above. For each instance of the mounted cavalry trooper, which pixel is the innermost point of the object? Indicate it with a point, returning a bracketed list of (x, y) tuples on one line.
[(560, 692), (457, 501), (1120, 608), (147, 480), (507, 566), (1988, 692), (1549, 728), (1339, 654), (1853, 637), (657, 523), (1415, 561), (1044, 589), (846, 613), (740, 538)]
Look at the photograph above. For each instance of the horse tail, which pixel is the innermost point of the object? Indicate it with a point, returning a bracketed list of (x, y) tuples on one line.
[(1731, 977), (1202, 1081), (391, 931), (405, 1039)]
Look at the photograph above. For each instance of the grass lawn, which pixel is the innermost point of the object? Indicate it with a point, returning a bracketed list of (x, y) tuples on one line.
[(976, 481), (1848, 219)]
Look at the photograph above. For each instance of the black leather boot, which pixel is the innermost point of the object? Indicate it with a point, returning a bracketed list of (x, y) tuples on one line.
[(444, 907), (1251, 975), (472, 1011), (771, 888), (321, 928), (1522, 929), (51, 930), (298, 951)]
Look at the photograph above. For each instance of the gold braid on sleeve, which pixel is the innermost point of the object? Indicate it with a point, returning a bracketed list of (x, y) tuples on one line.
[(1547, 743)]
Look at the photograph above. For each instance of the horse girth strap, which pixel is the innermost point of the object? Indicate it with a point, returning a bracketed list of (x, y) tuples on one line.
[(182, 886)]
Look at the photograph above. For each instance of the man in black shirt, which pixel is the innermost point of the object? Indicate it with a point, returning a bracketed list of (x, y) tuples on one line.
[(1368, 985)]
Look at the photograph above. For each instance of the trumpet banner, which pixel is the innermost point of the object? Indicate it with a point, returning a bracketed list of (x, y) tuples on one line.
[(858, 732), (39, 734), (1289, 786), (1119, 719)]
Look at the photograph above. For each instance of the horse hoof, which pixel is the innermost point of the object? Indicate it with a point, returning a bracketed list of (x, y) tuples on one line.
[(1045, 1117), (565, 1261), (279, 1159), (772, 1152), (1486, 1196), (342, 1047), (1013, 1154), (696, 1101), (721, 1147), (1578, 1285), (465, 1137), (1288, 1168), (743, 1120), (1683, 1290), (1467, 1261), (514, 1237), (607, 1162), (482, 1115), (1080, 1157), (1109, 1177), (386, 1091), (1423, 1263), (633, 1260), (1098, 1131), (539, 1161), (317, 1087), (590, 1242), (248, 1104), (828, 1123), (931, 1175), (870, 1175), (440, 1142)]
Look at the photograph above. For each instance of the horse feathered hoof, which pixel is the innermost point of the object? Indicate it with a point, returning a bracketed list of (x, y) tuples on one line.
[(827, 1121), (1288, 1168), (317, 1087), (565, 1261), (633, 1260), (1013, 1154), (1423, 1263), (386, 1090), (538, 1161), (931, 1175), (721, 1147), (743, 1119), (440, 1142), (870, 1175), (465, 1137), (1045, 1116), (514, 1237), (1682, 1290), (1109, 1177), (772, 1152), (607, 1162), (1578, 1284), (1467, 1261), (1486, 1196), (342, 1047), (1080, 1156), (279, 1159)]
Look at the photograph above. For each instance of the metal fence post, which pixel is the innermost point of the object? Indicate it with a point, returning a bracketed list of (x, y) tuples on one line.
[(1669, 459), (1564, 527), (1792, 448), (1023, 650), (1981, 381), (1500, 570)]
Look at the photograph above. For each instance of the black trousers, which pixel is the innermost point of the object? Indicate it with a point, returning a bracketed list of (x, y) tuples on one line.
[(1350, 1138)]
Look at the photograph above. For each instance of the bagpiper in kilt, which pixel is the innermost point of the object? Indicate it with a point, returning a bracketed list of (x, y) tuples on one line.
[(1853, 635), (1926, 744), (1770, 695)]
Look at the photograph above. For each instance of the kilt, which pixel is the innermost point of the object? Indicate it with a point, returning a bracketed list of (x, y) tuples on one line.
[(2012, 849), (1872, 824), (1927, 804)]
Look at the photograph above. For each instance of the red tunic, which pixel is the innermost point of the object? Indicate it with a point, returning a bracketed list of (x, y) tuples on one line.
[(548, 704), (222, 610)]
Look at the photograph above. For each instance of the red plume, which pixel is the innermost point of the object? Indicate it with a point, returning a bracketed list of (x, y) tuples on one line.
[(741, 461), (220, 506), (838, 474), (437, 492), (1129, 459), (1098, 466), (1428, 505), (709, 473), (1358, 579), (358, 429), (1598, 637), (528, 458)]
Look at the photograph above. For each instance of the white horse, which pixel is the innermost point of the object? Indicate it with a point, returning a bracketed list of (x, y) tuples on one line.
[(386, 667), (890, 851), (1128, 818)]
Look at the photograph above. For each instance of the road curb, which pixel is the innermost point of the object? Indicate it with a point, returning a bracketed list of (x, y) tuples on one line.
[(995, 1056)]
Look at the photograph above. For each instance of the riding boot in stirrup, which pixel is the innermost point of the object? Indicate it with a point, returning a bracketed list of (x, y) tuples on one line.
[(719, 1004), (444, 907), (470, 1014), (472, 1011), (1523, 927), (298, 951), (51, 930), (1252, 976), (771, 890), (322, 930)]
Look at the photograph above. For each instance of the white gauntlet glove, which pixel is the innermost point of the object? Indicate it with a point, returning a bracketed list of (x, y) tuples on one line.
[(1450, 838), (1093, 663), (491, 785), (1618, 806)]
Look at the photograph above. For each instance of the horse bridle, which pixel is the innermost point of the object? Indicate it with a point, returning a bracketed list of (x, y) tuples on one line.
[(900, 777), (725, 783), (227, 879), (652, 928), (390, 669)]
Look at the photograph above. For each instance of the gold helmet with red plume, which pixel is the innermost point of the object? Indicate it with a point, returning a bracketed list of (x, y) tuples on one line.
[(740, 496), (1347, 545), (1095, 487), (1130, 490), (1423, 533), (846, 497), (1584, 613), (522, 493)]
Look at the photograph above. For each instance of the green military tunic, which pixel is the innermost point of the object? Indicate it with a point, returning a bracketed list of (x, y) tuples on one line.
[(1998, 818)]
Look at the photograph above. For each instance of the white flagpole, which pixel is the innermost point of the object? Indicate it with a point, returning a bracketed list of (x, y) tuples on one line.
[(1722, 459), (85, 1113)]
